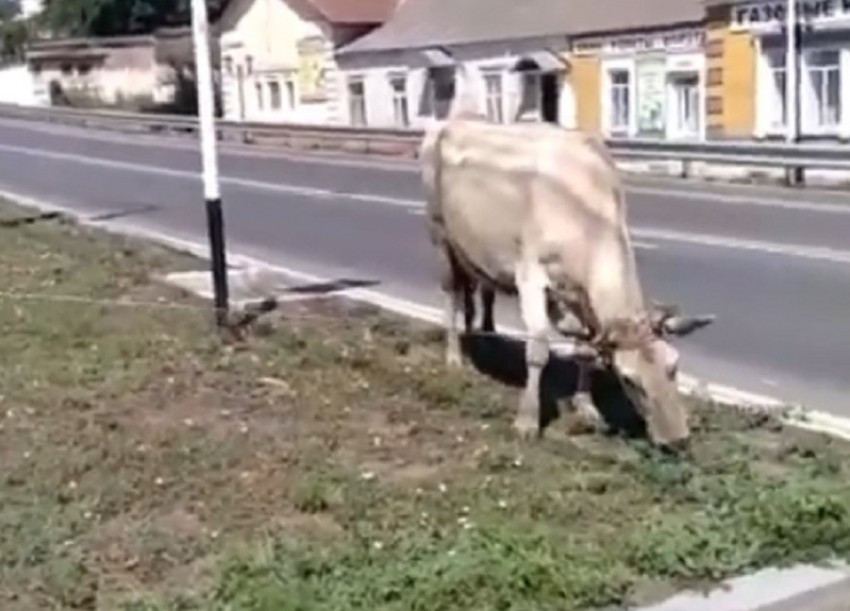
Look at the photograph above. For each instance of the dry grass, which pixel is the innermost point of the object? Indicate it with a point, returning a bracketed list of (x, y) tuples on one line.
[(333, 463)]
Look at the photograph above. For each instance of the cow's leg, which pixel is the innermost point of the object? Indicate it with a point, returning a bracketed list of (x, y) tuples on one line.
[(452, 287), (566, 322), (467, 289), (582, 401), (488, 300), (451, 308), (531, 286)]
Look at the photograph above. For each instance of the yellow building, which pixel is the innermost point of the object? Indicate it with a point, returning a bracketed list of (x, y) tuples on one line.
[(649, 83)]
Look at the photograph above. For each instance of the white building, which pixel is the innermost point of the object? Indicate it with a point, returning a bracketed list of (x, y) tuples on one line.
[(434, 53), (823, 65), (277, 56)]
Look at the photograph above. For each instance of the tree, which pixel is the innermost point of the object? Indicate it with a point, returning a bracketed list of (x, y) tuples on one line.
[(9, 9), (118, 17)]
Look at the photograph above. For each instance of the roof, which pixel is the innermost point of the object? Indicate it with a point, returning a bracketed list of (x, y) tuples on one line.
[(353, 11), (423, 23)]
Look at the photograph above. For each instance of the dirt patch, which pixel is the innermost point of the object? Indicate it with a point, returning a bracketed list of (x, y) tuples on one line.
[(332, 462)]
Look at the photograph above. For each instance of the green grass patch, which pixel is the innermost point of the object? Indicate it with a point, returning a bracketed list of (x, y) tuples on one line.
[(333, 463)]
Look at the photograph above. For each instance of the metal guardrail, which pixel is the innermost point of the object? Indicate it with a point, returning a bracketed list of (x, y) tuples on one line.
[(404, 142)]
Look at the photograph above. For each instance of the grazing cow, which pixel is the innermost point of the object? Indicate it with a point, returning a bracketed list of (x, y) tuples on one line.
[(538, 210)]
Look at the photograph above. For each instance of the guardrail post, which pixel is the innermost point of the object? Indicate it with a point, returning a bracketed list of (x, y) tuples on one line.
[(795, 176), (687, 168)]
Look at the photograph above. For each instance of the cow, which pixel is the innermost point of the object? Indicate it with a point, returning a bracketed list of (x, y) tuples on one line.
[(537, 210)]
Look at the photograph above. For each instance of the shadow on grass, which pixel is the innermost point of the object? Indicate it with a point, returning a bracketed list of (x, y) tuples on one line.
[(502, 358)]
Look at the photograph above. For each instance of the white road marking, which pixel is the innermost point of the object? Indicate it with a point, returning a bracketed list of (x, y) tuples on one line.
[(416, 206), (785, 201)]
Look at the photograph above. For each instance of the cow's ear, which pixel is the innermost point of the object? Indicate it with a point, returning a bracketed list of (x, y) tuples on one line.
[(685, 325)]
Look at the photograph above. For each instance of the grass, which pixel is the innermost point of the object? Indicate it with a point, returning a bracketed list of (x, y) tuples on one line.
[(331, 463)]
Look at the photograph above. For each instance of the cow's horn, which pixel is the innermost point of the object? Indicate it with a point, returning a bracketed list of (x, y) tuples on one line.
[(685, 325)]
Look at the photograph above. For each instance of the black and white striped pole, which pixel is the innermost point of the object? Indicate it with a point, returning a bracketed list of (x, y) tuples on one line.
[(209, 159)]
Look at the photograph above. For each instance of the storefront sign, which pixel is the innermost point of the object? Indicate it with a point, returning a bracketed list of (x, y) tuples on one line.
[(678, 40), (651, 74), (773, 13)]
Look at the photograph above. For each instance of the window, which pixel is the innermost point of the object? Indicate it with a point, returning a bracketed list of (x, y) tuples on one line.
[(494, 96), (686, 105), (620, 100), (401, 116), (776, 91), (259, 89), (356, 102), (529, 106), (274, 95), (824, 76), (290, 92), (249, 65)]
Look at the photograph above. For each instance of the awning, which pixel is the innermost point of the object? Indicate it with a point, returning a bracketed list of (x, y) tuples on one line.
[(437, 58), (541, 61)]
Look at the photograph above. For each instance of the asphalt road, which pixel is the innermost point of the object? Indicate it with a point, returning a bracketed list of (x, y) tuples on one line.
[(774, 265)]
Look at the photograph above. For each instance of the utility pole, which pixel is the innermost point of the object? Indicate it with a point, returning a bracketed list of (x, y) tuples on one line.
[(209, 159), (794, 175)]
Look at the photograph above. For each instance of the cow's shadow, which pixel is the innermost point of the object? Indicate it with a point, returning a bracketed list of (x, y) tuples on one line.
[(503, 359)]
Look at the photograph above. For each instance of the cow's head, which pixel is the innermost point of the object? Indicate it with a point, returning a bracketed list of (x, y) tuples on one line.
[(648, 364)]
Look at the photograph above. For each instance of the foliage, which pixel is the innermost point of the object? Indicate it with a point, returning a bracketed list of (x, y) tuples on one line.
[(119, 17)]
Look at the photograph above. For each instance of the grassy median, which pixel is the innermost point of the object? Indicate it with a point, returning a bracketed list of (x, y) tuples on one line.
[(331, 463)]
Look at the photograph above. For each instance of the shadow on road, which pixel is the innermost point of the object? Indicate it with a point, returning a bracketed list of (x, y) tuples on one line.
[(332, 286), (503, 359)]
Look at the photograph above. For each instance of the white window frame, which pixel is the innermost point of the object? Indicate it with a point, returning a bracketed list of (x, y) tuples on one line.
[(814, 88), (275, 95), (291, 88), (364, 119), (400, 102), (494, 99), (774, 100), (607, 97), (680, 98)]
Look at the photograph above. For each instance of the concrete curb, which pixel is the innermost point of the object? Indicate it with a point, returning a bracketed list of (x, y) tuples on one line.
[(774, 587)]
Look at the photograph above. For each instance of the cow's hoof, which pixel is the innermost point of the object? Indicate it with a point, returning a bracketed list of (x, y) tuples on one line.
[(526, 428), (583, 406)]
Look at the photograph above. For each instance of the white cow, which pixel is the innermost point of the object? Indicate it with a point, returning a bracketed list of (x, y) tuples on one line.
[(538, 210)]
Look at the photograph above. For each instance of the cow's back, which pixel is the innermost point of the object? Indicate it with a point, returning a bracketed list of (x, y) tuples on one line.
[(498, 188)]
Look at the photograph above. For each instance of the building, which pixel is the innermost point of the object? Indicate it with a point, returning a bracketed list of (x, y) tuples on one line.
[(277, 56), (748, 67), (639, 69), (132, 71), (504, 59), (624, 68)]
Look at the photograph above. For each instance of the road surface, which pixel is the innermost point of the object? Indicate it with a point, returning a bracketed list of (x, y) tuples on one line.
[(773, 265)]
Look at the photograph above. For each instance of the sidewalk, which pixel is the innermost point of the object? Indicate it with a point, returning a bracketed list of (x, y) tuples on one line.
[(835, 597)]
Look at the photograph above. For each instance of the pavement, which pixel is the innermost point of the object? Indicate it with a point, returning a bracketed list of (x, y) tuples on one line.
[(774, 265)]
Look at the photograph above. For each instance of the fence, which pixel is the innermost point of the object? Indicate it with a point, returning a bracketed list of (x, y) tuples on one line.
[(404, 142)]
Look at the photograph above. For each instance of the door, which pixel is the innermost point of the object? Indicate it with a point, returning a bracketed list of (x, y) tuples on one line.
[(549, 97)]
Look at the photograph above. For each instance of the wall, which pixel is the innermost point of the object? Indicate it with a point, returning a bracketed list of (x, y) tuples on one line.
[(112, 74), (473, 61), (271, 44), (585, 74), (731, 77), (17, 86)]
